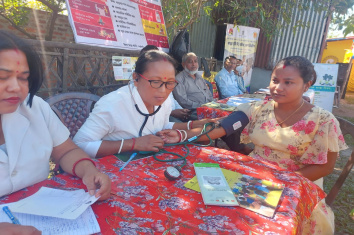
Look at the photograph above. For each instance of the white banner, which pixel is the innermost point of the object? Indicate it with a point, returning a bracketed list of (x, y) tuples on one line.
[(325, 85), (241, 42), (126, 24)]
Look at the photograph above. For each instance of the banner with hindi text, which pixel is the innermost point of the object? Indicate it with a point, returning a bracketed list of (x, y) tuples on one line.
[(241, 42)]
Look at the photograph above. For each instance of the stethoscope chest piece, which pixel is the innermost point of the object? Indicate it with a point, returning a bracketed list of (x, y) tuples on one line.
[(173, 172)]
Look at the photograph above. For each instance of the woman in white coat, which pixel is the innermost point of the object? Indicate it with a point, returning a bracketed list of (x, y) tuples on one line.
[(30, 132), (128, 119)]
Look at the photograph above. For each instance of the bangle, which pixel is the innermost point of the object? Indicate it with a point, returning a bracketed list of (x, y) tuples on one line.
[(185, 135), (133, 145), (180, 136), (121, 145), (191, 125), (82, 159), (189, 122)]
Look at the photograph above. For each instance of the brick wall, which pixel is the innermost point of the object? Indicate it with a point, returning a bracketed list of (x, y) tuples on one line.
[(37, 25)]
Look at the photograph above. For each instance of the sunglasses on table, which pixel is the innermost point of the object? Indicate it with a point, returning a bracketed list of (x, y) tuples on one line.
[(157, 83)]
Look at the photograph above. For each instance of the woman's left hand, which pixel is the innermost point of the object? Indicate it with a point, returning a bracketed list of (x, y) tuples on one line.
[(93, 179), (169, 136)]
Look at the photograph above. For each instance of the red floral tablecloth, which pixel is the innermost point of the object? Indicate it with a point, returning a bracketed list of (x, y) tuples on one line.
[(144, 202), (209, 110)]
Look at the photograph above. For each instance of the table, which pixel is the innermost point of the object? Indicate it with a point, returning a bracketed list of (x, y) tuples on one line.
[(143, 201), (220, 108)]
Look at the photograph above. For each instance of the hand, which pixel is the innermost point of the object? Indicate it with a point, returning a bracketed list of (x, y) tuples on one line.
[(169, 136), (148, 143), (181, 114), (16, 229), (93, 179), (201, 123)]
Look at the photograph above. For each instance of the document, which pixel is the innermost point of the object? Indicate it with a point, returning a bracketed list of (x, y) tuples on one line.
[(213, 185), (57, 203), (85, 224)]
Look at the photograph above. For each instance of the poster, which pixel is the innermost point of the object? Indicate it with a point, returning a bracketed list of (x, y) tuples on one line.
[(125, 24), (241, 42), (123, 67), (325, 85)]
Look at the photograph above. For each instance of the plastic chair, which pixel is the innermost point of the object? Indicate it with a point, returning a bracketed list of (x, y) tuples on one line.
[(72, 108), (346, 128)]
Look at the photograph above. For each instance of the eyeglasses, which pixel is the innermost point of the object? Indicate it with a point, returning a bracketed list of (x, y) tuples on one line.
[(157, 83)]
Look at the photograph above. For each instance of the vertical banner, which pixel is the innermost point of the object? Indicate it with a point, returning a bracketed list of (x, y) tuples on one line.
[(126, 24), (241, 42), (325, 85)]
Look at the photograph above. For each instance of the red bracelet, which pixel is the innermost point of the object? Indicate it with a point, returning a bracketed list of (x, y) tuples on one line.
[(180, 135), (191, 125), (82, 159), (133, 144)]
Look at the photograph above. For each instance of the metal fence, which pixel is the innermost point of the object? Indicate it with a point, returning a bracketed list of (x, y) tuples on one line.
[(76, 67)]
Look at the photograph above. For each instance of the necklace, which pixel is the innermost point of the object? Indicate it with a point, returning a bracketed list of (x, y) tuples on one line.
[(303, 101)]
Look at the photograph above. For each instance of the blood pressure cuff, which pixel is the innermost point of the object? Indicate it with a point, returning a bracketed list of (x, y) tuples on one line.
[(235, 122)]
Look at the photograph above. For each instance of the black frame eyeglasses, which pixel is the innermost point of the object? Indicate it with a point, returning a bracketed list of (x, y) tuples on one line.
[(158, 83)]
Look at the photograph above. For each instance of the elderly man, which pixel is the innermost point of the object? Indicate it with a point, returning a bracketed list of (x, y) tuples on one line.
[(192, 90), (228, 83)]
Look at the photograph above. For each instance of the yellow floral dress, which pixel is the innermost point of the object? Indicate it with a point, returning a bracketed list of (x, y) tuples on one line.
[(304, 143)]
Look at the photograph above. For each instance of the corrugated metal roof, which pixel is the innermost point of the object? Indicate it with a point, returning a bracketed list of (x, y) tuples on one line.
[(202, 35), (305, 42)]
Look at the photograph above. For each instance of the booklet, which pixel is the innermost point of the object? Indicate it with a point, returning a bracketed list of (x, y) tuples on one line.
[(260, 196), (213, 185)]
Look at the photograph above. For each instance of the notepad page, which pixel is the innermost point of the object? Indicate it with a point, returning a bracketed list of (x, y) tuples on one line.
[(85, 224)]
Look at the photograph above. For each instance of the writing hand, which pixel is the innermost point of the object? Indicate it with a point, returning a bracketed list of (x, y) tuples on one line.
[(93, 179), (16, 229)]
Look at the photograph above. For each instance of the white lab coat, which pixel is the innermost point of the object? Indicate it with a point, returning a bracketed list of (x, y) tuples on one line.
[(30, 135), (115, 117)]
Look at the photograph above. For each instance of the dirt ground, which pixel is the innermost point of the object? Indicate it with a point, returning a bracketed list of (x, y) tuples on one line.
[(346, 107)]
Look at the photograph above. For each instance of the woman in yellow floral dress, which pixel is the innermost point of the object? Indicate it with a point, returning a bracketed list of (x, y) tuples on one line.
[(290, 132)]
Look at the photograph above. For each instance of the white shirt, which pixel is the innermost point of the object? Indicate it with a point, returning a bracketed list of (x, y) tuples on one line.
[(115, 117), (30, 135)]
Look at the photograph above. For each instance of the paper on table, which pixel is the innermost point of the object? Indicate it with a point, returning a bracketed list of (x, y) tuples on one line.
[(55, 203), (86, 223)]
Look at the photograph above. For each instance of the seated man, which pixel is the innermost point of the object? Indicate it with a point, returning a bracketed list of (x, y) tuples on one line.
[(228, 83), (192, 90)]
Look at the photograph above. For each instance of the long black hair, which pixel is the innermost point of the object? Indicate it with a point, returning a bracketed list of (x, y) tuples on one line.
[(8, 41)]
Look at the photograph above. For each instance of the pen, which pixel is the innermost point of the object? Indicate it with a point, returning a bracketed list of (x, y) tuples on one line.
[(127, 162), (14, 220)]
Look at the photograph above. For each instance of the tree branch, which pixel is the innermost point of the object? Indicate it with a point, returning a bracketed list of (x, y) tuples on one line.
[(18, 28)]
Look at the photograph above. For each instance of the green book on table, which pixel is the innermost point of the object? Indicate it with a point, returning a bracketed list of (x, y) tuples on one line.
[(213, 185)]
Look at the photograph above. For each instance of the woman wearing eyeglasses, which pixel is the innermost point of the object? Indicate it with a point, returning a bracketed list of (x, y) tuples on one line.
[(128, 118)]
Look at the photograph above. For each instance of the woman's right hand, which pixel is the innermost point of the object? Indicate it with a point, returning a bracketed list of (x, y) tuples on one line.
[(15, 229), (149, 143)]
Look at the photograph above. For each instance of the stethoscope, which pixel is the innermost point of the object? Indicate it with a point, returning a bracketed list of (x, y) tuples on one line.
[(146, 115)]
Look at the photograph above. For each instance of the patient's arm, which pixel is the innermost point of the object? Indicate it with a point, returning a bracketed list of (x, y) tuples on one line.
[(316, 171)]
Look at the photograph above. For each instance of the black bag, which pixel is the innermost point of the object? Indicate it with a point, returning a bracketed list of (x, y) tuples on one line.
[(180, 46)]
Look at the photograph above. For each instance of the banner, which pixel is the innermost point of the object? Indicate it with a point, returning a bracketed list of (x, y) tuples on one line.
[(241, 42), (125, 24), (325, 85)]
